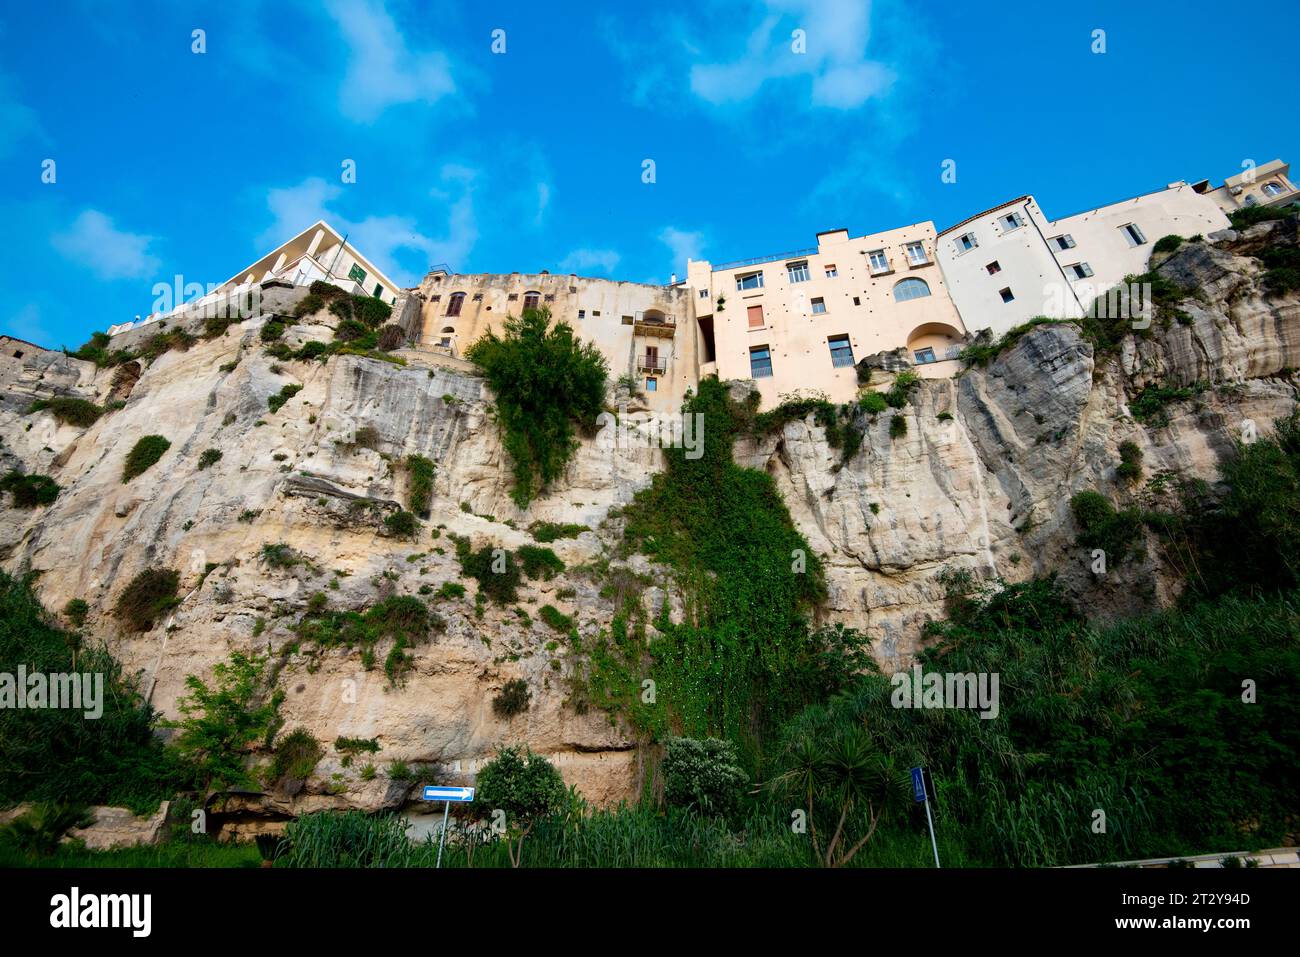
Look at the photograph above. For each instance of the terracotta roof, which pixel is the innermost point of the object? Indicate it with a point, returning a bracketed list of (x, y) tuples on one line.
[(971, 219)]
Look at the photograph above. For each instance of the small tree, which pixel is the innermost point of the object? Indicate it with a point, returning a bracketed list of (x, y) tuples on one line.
[(524, 786), (222, 720), (848, 783)]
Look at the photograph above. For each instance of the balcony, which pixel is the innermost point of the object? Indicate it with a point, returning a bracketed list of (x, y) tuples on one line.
[(651, 362), (655, 324)]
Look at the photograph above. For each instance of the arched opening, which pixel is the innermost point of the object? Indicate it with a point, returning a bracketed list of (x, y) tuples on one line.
[(454, 303), (933, 342), (532, 299), (910, 288)]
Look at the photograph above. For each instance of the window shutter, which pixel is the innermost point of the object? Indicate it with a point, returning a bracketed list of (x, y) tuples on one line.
[(1087, 270), (755, 317), (1069, 241), (1140, 235)]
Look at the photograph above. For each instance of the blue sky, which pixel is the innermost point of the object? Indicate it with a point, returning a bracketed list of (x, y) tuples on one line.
[(169, 161)]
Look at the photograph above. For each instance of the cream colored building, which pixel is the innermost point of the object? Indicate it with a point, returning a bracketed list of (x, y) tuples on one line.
[(319, 252), (644, 331), (801, 321), (1266, 185), (1010, 264)]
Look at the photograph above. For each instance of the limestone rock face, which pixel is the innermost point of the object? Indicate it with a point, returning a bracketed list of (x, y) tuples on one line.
[(980, 481)]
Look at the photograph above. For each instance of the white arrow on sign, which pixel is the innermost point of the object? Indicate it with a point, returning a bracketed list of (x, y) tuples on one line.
[(432, 793)]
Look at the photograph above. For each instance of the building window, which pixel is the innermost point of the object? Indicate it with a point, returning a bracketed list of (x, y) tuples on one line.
[(993, 268), (478, 297), (436, 299), (841, 351), (582, 313), (818, 306), (1134, 235), (512, 297), (532, 300), (357, 273), (627, 320), (704, 294), (879, 261), (1080, 270), (595, 312), (831, 271), (1272, 189), (651, 384), (966, 242), (760, 362), (445, 342), (857, 301), (549, 297), (916, 254), (924, 355), (1064, 242), (1011, 221), (756, 317), (379, 290), (907, 289), (753, 281), (798, 271), (1006, 294), (454, 302)]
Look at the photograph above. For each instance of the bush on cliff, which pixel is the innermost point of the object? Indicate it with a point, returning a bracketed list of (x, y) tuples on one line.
[(547, 383)]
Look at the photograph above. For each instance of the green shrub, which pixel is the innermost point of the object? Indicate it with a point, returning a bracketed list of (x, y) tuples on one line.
[(546, 382), (1101, 526), (403, 619), (79, 412), (39, 830), (209, 457), (143, 455), (1167, 244), (551, 531), (539, 562), (494, 568), (451, 590), (897, 427), (373, 312), (402, 524), (76, 611), (349, 330), (872, 403), (703, 775), (555, 618), (275, 402), (346, 839), (96, 350), (296, 756), (982, 353), (1130, 464), (356, 745), (1249, 216), (30, 491), (1150, 405), (421, 471), (272, 330), (146, 597), (513, 699)]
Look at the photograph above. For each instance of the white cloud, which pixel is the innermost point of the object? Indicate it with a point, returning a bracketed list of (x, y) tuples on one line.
[(590, 260), (684, 245), (110, 253), (836, 34), (382, 71)]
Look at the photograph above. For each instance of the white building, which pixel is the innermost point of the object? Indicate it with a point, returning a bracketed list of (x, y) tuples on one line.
[(1010, 264), (1266, 185)]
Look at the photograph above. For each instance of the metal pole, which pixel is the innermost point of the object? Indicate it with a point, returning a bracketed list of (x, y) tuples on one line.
[(442, 838), (930, 821)]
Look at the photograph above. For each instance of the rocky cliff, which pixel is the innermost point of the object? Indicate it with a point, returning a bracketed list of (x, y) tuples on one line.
[(981, 481)]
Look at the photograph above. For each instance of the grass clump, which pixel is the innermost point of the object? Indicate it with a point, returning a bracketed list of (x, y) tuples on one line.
[(555, 618), (143, 455), (402, 619), (512, 700), (450, 590), (1130, 461), (898, 426), (402, 524), (546, 532), (493, 567), (209, 457), (71, 411), (296, 757), (1102, 526), (547, 384), (540, 563)]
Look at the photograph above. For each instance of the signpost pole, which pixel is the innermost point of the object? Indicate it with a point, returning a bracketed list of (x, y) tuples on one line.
[(442, 838), (434, 792), (920, 794)]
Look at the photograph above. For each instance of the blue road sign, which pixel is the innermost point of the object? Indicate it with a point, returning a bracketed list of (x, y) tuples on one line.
[(432, 793), (918, 784)]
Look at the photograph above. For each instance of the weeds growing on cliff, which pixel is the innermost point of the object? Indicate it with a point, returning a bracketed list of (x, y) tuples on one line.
[(97, 350), (143, 455), (420, 493), (745, 656), (79, 412), (147, 597), (547, 384), (403, 620), (30, 490)]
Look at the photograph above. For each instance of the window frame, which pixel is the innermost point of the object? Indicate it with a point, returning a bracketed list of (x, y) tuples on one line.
[(912, 260), (740, 280), (838, 355), (911, 282), (797, 268), (765, 358)]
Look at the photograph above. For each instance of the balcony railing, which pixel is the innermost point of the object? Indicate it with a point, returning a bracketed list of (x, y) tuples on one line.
[(664, 327), (652, 363), (793, 254)]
